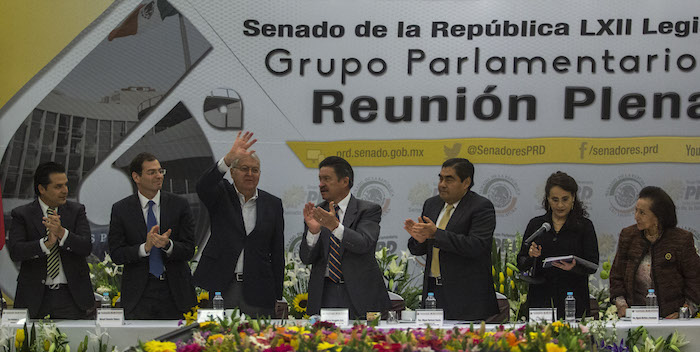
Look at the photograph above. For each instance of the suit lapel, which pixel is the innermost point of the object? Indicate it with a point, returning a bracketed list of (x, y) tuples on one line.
[(164, 219), (350, 212), (136, 213), (38, 219), (460, 210), (238, 210)]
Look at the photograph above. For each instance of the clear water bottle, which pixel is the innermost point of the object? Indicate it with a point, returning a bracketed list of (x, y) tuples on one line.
[(218, 302), (430, 302), (651, 298), (570, 308), (106, 302)]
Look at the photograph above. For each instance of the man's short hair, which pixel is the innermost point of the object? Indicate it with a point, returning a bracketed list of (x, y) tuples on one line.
[(42, 175), (463, 167), (253, 155), (136, 164), (341, 167)]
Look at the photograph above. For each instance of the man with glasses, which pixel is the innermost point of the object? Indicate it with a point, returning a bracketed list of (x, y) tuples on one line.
[(152, 233), (244, 256)]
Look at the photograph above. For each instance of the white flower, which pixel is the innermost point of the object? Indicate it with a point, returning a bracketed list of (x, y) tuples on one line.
[(107, 259), (103, 289), (92, 276), (394, 268), (96, 338), (4, 336), (288, 284)]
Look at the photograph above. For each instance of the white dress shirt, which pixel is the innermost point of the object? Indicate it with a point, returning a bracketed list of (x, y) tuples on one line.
[(61, 278), (156, 211)]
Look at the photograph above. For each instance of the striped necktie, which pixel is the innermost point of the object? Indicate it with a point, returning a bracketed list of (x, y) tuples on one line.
[(53, 262), (435, 263), (334, 271)]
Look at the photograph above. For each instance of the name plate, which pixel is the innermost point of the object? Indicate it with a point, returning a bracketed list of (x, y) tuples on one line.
[(110, 317), (15, 316), (432, 317), (644, 314), (547, 315), (337, 316), (209, 314)]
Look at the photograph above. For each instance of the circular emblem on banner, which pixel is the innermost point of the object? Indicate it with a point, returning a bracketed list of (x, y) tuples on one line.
[(376, 190), (419, 193), (293, 197), (503, 192), (623, 192)]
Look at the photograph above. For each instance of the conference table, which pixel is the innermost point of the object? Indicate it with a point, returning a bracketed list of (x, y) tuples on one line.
[(144, 330)]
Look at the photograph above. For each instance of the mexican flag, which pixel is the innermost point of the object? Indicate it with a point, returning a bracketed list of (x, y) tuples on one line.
[(148, 14)]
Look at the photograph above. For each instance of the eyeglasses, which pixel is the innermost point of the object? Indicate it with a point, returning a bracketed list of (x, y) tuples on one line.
[(153, 172), (246, 169)]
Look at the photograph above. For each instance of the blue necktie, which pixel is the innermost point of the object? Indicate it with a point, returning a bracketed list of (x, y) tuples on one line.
[(155, 259), (334, 271)]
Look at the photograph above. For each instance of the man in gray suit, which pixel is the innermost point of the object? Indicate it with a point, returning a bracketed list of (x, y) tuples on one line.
[(340, 238), (458, 248)]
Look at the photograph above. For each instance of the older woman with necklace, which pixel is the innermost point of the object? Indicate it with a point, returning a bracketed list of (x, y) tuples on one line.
[(655, 254)]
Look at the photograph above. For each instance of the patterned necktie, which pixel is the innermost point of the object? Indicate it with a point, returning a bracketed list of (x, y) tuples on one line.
[(435, 263), (334, 271), (155, 259), (53, 262)]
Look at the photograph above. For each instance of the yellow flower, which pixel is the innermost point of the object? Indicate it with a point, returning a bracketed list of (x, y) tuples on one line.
[(191, 316), (19, 338), (216, 338), (204, 324), (115, 298), (157, 346), (551, 347), (47, 345), (325, 346), (493, 271), (202, 296), (501, 278), (533, 335), (512, 285), (502, 289), (300, 302), (509, 272)]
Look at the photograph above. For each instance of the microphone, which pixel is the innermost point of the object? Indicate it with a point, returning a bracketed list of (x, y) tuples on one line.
[(545, 227)]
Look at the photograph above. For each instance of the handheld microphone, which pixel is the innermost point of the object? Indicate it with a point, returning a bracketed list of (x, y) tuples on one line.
[(544, 228)]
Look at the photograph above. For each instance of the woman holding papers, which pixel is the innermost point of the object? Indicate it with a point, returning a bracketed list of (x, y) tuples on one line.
[(568, 233), (656, 254)]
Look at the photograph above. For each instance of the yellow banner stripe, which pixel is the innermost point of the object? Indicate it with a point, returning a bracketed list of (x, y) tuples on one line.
[(628, 150)]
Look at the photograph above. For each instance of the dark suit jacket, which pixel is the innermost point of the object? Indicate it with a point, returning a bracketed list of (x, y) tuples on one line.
[(263, 262), (26, 231), (465, 257), (363, 279), (127, 231)]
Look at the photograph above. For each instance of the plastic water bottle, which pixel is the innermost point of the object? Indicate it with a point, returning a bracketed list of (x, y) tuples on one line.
[(106, 302), (570, 308), (430, 302), (218, 302), (651, 298)]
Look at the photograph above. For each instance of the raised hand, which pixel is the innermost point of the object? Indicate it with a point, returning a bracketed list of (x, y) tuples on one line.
[(311, 222), (240, 147)]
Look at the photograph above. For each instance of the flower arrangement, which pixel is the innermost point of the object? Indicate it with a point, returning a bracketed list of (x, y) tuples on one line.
[(506, 278), (237, 335), (106, 276), (398, 277), (296, 284)]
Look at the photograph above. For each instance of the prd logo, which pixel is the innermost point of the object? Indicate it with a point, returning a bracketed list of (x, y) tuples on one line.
[(293, 197), (503, 192), (376, 190), (623, 192)]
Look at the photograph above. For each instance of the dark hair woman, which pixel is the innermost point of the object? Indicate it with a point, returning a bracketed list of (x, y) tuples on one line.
[(571, 233), (656, 254)]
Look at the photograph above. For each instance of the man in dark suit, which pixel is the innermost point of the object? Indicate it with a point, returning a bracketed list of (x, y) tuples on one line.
[(244, 257), (458, 248), (157, 283), (339, 241), (51, 237)]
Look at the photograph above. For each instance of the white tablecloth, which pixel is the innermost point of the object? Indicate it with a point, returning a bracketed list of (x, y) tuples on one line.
[(145, 330)]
